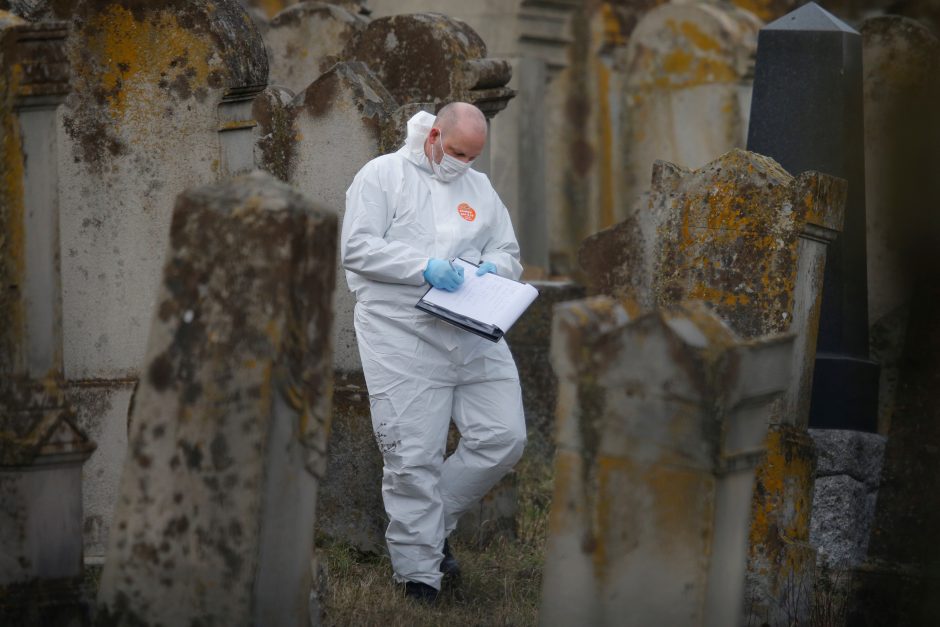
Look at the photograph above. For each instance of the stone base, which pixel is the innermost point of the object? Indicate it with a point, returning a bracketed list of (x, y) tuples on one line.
[(848, 473)]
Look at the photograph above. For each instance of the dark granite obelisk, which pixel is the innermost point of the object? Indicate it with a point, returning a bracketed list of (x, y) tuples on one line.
[(806, 112)]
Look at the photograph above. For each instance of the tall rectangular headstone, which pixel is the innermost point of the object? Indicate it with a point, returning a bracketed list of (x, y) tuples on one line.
[(160, 102), (41, 448), (806, 113), (215, 520)]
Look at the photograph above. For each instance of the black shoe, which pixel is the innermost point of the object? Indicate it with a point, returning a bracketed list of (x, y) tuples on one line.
[(421, 592), (449, 565)]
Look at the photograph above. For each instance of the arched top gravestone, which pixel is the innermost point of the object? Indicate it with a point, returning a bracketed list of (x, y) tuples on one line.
[(429, 57), (305, 40), (679, 45)]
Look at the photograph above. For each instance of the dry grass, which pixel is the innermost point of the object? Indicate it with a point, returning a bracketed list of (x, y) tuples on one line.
[(501, 581)]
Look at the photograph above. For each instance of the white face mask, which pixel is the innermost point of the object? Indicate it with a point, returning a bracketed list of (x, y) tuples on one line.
[(450, 168)]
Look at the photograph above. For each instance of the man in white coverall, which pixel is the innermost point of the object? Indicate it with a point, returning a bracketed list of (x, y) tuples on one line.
[(407, 214)]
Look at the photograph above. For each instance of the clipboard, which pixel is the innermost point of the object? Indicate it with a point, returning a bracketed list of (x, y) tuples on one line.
[(486, 306)]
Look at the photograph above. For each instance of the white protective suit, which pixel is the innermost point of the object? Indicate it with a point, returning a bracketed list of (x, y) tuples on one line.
[(420, 371)]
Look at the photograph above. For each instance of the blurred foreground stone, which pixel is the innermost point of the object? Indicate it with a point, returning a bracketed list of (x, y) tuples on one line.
[(748, 238), (661, 423), (214, 524)]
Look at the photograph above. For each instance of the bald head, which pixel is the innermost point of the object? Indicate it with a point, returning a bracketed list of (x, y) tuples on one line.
[(460, 128), (461, 115)]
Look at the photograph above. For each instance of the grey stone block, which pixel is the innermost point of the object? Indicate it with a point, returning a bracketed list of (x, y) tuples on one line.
[(853, 453), (843, 511)]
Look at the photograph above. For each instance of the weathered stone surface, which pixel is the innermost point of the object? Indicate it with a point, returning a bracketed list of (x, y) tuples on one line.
[(743, 235), (41, 447), (350, 507), (218, 495), (530, 339), (688, 69), (428, 57), (341, 116), (854, 453), (306, 40), (276, 132), (901, 93), (661, 420), (842, 517), (159, 93)]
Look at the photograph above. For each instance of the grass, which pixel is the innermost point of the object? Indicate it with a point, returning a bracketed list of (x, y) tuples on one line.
[(501, 582)]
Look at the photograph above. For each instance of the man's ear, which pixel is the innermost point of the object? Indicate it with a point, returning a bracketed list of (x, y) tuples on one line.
[(434, 134)]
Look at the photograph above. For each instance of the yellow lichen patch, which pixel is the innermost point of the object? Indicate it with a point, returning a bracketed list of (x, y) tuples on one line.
[(677, 62), (133, 56), (567, 476), (694, 58), (678, 499), (698, 38), (780, 511), (271, 7), (718, 296), (612, 32)]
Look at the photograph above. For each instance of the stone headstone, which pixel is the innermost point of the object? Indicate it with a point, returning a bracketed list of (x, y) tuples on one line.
[(806, 113), (306, 40), (900, 101), (660, 424), (160, 102), (41, 447), (431, 58), (216, 514), (688, 71), (746, 237), (897, 582), (339, 120)]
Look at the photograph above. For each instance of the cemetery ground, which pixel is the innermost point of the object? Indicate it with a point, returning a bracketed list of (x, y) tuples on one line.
[(501, 578)]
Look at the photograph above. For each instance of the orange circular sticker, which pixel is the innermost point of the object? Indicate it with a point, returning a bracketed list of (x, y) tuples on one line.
[(466, 212)]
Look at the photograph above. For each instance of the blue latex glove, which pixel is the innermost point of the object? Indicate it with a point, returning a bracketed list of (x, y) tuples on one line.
[(443, 275), (486, 266)]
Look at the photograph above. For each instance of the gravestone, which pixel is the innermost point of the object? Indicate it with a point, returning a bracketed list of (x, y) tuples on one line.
[(42, 449), (806, 113), (688, 71), (660, 425), (897, 582), (746, 237), (160, 102), (215, 519), (900, 99), (431, 58), (339, 120), (306, 40)]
